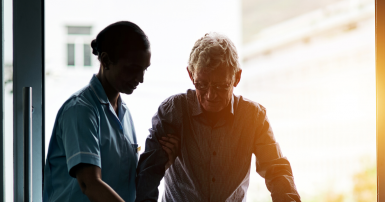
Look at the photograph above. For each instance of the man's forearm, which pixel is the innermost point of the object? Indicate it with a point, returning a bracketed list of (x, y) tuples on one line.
[(282, 188), (280, 181)]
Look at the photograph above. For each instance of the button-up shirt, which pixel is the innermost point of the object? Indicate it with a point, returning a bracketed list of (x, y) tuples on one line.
[(214, 160), (87, 130)]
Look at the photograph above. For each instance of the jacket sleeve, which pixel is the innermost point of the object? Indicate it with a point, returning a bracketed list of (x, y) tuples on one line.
[(151, 166), (271, 164)]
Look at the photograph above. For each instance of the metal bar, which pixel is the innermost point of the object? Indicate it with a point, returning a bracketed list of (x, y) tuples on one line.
[(42, 93), (380, 101), (28, 61), (27, 130)]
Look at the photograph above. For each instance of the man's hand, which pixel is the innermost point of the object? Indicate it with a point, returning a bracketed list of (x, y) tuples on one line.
[(170, 144)]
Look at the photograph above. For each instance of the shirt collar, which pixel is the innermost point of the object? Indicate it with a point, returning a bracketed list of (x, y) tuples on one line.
[(197, 108)]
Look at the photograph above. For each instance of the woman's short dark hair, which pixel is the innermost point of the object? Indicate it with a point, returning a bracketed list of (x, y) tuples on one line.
[(118, 38)]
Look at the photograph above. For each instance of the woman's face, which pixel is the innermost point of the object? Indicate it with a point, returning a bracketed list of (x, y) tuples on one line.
[(126, 74)]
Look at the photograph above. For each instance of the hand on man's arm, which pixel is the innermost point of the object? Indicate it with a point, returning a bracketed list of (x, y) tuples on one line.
[(90, 180)]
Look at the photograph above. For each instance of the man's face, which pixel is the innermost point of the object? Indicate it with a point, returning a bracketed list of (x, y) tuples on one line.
[(214, 89)]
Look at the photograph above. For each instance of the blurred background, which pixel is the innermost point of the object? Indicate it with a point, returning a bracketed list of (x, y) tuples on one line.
[(310, 63)]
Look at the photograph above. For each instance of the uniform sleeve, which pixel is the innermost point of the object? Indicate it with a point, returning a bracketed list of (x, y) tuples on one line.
[(150, 170), (79, 126), (271, 164)]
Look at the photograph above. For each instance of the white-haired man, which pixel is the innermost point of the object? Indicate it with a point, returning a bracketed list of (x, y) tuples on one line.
[(218, 132)]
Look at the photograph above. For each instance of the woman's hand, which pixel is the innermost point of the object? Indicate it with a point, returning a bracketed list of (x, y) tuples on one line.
[(170, 144), (90, 181)]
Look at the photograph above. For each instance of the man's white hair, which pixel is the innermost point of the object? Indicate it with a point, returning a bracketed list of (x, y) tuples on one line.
[(213, 51)]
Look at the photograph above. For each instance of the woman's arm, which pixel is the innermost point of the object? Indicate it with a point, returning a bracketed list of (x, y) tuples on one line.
[(90, 180)]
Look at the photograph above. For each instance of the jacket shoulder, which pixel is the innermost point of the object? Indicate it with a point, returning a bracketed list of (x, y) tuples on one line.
[(246, 104)]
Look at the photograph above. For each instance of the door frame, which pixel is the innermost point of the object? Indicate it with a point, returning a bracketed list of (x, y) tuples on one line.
[(28, 71)]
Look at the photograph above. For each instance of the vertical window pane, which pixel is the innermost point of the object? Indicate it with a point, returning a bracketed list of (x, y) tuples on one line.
[(8, 101), (87, 55), (70, 54)]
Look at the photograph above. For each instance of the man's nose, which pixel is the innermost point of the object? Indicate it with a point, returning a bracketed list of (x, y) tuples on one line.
[(211, 94)]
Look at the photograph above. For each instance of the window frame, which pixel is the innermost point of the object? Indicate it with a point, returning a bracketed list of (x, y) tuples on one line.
[(380, 97)]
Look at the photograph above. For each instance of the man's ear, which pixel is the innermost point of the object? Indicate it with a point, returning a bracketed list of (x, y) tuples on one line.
[(105, 60), (238, 78), (190, 74)]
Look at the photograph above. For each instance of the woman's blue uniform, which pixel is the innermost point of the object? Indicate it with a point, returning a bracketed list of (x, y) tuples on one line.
[(87, 130)]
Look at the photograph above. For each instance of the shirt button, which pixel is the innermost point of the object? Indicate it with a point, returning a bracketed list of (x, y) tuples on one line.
[(214, 153), (213, 179)]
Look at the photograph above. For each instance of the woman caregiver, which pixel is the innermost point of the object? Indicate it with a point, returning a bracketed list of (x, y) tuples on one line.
[(93, 152)]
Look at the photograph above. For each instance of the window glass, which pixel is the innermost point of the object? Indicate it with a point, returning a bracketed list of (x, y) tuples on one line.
[(70, 54), (78, 46), (87, 55), (79, 30)]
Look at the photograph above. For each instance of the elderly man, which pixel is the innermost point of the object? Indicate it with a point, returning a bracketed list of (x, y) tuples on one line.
[(218, 132)]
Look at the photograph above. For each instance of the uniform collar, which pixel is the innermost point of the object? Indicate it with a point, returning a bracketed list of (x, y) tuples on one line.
[(97, 87), (197, 108)]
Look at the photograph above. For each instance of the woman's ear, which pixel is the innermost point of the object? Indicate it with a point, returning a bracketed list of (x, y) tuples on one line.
[(105, 60), (237, 77), (190, 74)]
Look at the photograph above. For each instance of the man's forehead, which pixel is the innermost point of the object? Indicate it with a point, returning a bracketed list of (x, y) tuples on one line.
[(216, 75)]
